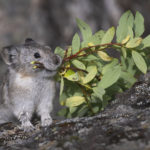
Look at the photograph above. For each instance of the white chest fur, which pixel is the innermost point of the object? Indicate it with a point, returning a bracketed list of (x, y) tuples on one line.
[(22, 81)]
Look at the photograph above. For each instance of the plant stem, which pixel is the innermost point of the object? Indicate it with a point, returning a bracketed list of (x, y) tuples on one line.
[(85, 95), (74, 69), (66, 51), (86, 48)]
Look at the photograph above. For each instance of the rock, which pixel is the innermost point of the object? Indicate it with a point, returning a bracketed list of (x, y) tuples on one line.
[(124, 124)]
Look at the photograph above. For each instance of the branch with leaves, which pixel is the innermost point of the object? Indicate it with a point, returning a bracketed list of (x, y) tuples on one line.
[(89, 77)]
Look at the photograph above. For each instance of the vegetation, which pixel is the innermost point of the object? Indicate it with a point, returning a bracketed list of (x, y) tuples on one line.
[(90, 77)]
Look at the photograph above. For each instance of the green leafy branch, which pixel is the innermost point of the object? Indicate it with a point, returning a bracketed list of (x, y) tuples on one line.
[(90, 77), (87, 48)]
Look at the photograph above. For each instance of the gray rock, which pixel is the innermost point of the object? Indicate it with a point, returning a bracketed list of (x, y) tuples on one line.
[(124, 124)]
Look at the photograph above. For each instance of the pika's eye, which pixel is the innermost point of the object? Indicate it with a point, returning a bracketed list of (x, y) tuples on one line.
[(37, 55)]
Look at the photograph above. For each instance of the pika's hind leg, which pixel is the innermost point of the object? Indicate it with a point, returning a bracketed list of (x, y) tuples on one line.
[(6, 114)]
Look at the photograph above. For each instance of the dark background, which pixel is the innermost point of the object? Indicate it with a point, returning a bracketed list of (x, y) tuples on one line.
[(52, 22)]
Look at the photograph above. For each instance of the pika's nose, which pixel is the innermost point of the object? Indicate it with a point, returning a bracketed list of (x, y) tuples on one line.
[(57, 60)]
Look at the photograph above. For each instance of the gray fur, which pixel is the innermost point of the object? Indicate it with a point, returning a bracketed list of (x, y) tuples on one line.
[(26, 90)]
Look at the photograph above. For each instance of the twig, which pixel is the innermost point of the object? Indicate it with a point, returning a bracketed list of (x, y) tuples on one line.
[(86, 48), (75, 69), (85, 95), (66, 52)]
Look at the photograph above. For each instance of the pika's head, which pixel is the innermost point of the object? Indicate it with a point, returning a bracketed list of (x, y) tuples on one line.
[(31, 59)]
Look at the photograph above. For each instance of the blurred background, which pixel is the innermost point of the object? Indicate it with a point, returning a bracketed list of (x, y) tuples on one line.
[(52, 22)]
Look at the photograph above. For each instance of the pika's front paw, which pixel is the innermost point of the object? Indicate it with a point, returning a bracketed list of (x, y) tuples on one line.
[(46, 122), (27, 127)]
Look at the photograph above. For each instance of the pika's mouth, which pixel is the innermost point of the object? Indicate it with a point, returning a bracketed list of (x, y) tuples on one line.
[(39, 65), (48, 66)]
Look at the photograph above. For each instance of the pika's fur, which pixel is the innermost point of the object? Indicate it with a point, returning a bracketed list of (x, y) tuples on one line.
[(28, 86)]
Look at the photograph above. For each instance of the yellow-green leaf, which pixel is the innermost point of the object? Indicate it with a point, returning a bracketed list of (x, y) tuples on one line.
[(139, 61), (90, 44), (71, 75), (75, 101), (134, 42), (109, 35), (104, 56), (124, 41), (78, 64), (90, 76)]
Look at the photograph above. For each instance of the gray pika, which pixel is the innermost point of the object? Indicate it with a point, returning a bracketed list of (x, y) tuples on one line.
[(28, 86)]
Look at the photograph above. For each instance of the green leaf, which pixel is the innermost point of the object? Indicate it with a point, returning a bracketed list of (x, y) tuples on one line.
[(146, 42), (94, 39), (78, 64), (131, 66), (61, 85), (138, 24), (59, 51), (97, 37), (71, 75), (134, 43), (90, 58), (72, 109), (130, 32), (110, 77), (63, 112), (109, 35), (125, 21), (75, 101), (123, 63), (95, 109), (84, 28), (109, 66), (72, 89), (139, 61), (69, 52), (128, 77), (82, 111), (75, 43), (62, 98), (99, 92), (90, 76), (124, 52)]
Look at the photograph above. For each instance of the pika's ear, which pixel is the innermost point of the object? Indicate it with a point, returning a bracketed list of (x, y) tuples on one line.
[(29, 41), (9, 54)]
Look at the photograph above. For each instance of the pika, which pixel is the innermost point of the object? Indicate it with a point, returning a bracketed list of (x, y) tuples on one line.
[(28, 87)]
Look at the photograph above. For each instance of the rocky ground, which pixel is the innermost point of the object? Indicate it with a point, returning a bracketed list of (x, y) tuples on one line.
[(124, 125)]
